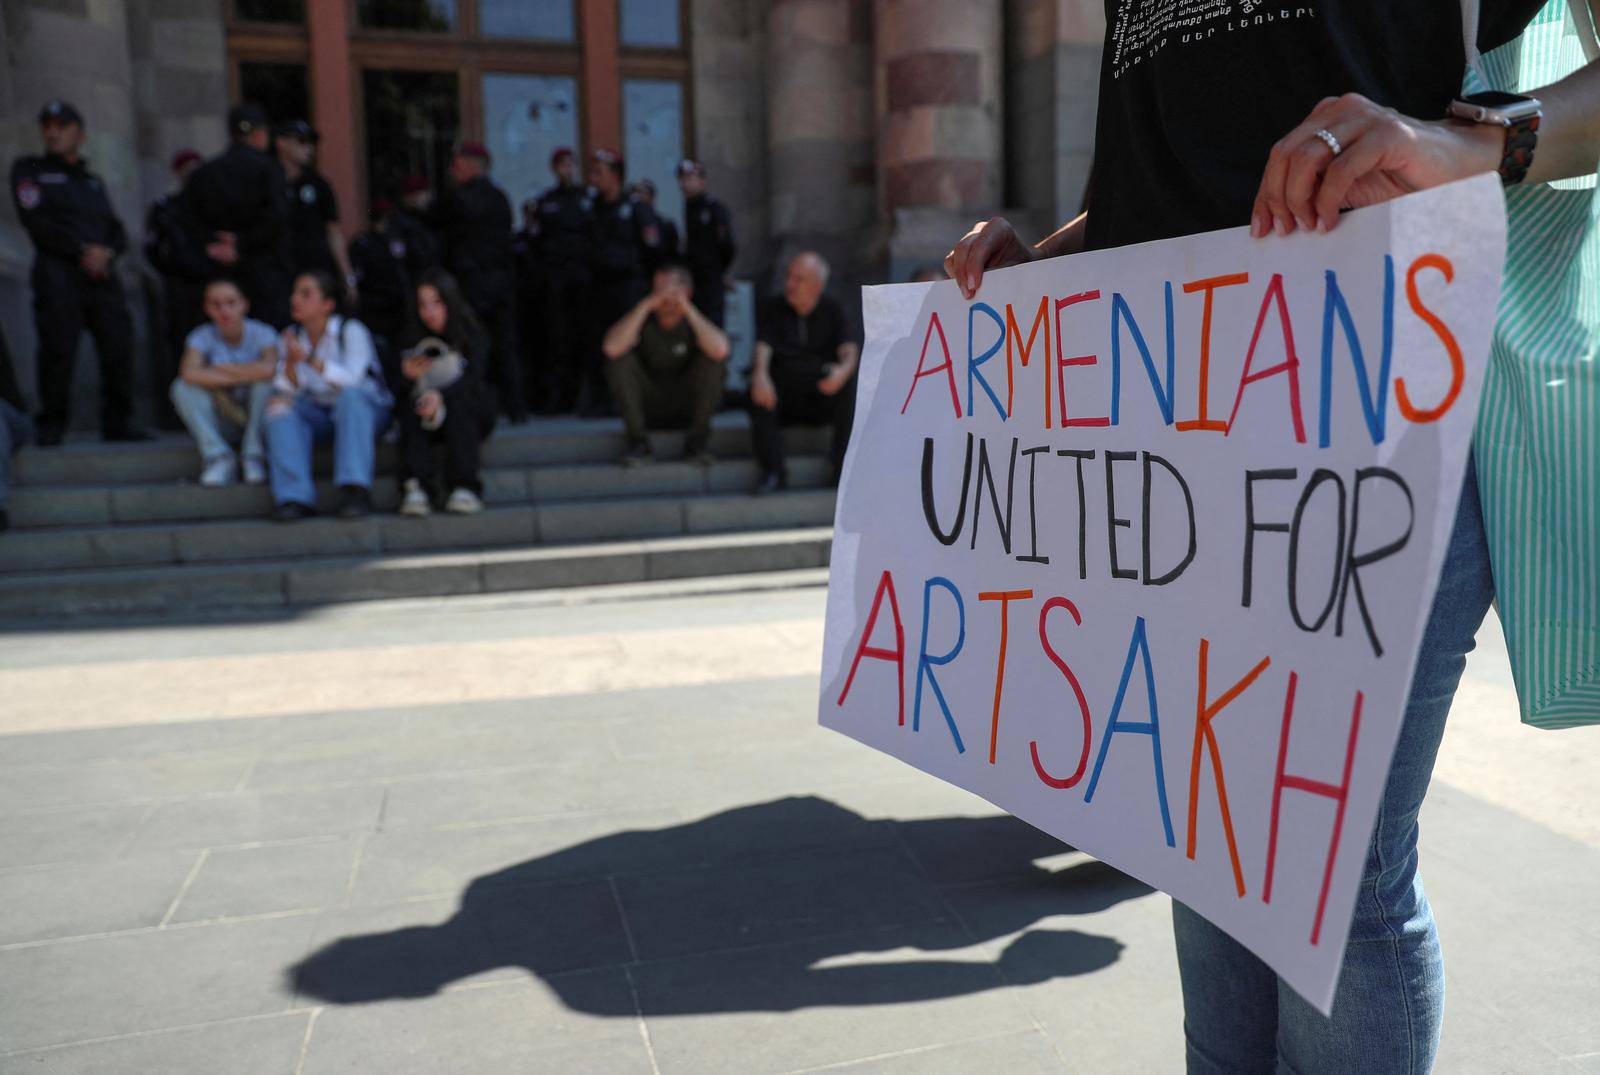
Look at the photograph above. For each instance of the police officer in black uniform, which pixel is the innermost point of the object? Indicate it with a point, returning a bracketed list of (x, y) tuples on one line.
[(566, 237), (671, 246), (315, 242), (472, 217), (236, 207), (410, 221), (627, 237), (529, 306), (76, 238), (387, 267), (709, 247), (175, 307)]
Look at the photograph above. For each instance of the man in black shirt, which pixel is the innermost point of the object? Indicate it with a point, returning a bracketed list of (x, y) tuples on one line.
[(566, 238), (77, 238), (174, 306), (1212, 118), (708, 239), (387, 268), (666, 363), (236, 208), (473, 219), (316, 244), (804, 369), (626, 237)]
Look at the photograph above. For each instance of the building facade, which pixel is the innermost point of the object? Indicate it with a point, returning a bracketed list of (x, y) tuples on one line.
[(873, 130)]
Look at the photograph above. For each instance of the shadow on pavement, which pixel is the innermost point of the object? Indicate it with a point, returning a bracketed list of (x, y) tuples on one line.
[(771, 907)]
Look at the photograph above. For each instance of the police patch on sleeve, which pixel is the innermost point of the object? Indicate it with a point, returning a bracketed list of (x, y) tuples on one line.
[(308, 194), (29, 194)]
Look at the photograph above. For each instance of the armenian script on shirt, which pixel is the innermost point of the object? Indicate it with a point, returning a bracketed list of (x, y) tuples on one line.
[(1142, 28)]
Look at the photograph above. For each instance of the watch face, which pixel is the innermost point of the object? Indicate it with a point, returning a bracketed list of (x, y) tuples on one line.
[(1495, 106)]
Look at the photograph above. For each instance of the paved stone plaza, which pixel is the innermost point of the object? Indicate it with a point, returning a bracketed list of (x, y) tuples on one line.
[(492, 835)]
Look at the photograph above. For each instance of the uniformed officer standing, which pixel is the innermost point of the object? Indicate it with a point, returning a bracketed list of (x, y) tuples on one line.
[(566, 237), (175, 305), (473, 219), (709, 247), (528, 309), (235, 204), (387, 268), (409, 223), (671, 247), (627, 236), (76, 238), (316, 243)]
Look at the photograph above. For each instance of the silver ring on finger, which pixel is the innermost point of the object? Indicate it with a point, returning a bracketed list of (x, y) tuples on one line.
[(1329, 140)]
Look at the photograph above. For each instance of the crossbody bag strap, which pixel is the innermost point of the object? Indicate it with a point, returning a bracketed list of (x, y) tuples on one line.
[(1583, 22), (1469, 38)]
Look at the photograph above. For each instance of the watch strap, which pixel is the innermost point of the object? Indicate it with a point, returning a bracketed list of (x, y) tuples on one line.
[(1522, 137)]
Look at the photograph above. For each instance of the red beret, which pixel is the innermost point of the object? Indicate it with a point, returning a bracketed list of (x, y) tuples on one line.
[(413, 184), (473, 149), (565, 152), (183, 157)]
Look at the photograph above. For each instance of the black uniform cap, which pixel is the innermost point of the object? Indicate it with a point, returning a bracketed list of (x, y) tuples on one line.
[(298, 129), (242, 119), (60, 112)]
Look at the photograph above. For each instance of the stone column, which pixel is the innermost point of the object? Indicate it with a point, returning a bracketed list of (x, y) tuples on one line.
[(939, 93), (1053, 68), (820, 132)]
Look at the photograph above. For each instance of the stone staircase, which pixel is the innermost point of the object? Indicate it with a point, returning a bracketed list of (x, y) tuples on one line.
[(108, 529)]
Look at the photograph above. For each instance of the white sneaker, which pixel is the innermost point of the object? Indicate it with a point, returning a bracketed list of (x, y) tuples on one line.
[(255, 470), (218, 472), (415, 501), (463, 502)]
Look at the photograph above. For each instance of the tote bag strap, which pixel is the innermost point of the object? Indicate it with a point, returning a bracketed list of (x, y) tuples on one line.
[(1469, 37)]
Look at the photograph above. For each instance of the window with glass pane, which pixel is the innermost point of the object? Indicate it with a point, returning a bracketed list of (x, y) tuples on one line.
[(525, 119), (435, 16), (652, 118), (269, 10), (413, 122), (547, 20), (650, 23), (279, 89)]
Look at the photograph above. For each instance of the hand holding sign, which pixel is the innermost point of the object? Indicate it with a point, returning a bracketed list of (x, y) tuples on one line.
[(1140, 547)]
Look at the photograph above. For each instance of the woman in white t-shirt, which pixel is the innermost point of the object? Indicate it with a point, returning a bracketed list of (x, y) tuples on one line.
[(330, 386), (224, 382)]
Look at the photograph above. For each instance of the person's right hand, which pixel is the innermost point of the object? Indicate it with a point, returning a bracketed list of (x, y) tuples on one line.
[(428, 404), (294, 351), (95, 261), (991, 244), (414, 366), (763, 393)]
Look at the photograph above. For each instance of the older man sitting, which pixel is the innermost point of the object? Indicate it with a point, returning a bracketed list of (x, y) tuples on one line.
[(804, 371), (665, 364)]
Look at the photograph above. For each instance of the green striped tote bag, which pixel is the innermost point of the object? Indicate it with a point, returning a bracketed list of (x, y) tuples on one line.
[(1538, 435)]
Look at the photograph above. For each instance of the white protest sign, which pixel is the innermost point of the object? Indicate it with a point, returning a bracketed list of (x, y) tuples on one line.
[(1139, 545)]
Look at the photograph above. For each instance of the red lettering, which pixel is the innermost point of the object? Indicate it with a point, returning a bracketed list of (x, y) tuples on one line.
[(1025, 349), (1458, 369), (897, 655), (1290, 365), (1077, 689), (1339, 793), (1209, 286), (947, 366), (1081, 360), (1205, 713), (1005, 597)]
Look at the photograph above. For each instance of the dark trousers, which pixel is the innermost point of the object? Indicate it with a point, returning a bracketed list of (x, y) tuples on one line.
[(710, 297), (65, 302), (684, 398), (179, 312), (468, 420), (505, 367), (564, 328), (800, 404)]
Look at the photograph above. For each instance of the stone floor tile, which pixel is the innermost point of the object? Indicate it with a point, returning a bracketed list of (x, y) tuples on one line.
[(1025, 1053), (266, 1046), (251, 818), (264, 880), (98, 897), (74, 834), (74, 783), (80, 990)]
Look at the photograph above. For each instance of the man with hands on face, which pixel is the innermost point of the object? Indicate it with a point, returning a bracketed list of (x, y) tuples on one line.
[(804, 369), (665, 363), (76, 237), (1281, 123)]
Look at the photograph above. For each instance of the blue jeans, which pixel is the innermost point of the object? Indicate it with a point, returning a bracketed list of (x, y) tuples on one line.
[(1238, 1017), (212, 432), (296, 426)]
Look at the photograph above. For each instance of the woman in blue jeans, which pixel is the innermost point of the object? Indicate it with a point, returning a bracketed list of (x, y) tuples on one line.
[(1280, 117), (329, 386)]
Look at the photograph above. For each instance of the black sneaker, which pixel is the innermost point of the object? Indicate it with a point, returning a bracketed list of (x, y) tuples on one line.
[(125, 435), (699, 451), (354, 502), (772, 482), (637, 454), (292, 511)]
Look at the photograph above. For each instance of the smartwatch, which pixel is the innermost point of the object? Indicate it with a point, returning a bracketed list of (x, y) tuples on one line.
[(1518, 113)]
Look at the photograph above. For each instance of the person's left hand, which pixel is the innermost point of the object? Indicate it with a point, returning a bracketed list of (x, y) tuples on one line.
[(428, 404), (415, 366), (1383, 155), (834, 377)]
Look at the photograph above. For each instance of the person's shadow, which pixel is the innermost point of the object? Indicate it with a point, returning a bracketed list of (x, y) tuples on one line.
[(771, 907)]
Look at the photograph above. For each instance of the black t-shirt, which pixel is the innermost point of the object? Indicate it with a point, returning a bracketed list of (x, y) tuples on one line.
[(312, 207), (802, 344), (1193, 94)]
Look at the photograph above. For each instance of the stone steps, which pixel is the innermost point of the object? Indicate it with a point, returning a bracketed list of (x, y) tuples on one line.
[(304, 582)]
